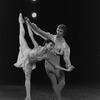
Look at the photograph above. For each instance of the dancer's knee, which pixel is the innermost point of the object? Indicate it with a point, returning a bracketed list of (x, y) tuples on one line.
[(61, 84), (27, 75)]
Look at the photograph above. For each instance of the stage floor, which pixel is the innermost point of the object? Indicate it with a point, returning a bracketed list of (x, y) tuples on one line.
[(45, 92)]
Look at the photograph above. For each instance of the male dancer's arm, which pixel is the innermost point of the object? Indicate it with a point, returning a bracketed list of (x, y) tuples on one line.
[(66, 56), (38, 31), (59, 67)]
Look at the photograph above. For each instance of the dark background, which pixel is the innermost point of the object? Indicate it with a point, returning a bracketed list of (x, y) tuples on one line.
[(82, 18)]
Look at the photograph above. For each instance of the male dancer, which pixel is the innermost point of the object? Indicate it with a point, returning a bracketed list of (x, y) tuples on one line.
[(56, 76)]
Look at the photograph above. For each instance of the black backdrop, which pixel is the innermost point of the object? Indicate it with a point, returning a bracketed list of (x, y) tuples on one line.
[(82, 20)]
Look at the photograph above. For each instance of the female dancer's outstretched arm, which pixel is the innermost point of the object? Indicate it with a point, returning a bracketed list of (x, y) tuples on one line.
[(31, 36)]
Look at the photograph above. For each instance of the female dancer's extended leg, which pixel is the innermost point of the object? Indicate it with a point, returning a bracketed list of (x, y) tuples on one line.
[(23, 49)]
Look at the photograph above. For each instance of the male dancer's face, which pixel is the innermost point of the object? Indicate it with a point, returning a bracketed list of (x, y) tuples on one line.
[(59, 33)]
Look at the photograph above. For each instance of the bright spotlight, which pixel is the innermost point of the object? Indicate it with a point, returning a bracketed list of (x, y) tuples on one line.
[(34, 15), (33, 0)]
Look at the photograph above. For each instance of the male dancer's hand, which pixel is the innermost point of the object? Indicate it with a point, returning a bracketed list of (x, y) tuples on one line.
[(26, 20), (70, 67)]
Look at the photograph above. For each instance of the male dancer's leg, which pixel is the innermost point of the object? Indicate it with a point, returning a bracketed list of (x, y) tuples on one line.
[(57, 86), (53, 74), (61, 79)]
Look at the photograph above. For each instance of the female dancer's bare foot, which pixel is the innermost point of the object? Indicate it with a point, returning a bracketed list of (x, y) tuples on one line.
[(21, 20)]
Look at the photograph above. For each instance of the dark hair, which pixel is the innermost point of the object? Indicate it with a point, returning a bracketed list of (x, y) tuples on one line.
[(48, 41), (62, 27)]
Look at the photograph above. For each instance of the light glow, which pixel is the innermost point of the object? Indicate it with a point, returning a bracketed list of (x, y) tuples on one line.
[(34, 15), (33, 0)]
